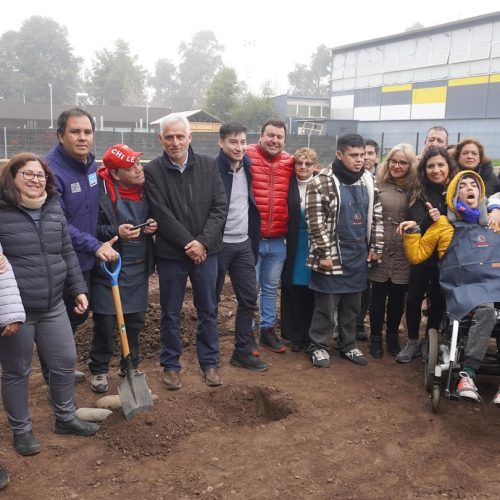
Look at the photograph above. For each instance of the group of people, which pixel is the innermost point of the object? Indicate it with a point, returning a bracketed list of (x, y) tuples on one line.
[(256, 213)]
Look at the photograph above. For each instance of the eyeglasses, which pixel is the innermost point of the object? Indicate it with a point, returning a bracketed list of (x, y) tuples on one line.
[(401, 163), (306, 163), (29, 175)]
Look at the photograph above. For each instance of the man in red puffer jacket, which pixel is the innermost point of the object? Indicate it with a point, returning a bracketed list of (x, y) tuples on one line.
[(271, 171)]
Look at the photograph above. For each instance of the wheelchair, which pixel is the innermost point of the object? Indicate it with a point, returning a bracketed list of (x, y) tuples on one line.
[(443, 357)]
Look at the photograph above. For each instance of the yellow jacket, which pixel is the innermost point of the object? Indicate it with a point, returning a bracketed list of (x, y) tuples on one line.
[(419, 248)]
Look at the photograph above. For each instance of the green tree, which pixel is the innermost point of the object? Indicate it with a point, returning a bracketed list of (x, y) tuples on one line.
[(223, 94), (38, 54), (254, 110), (200, 60), (117, 78), (312, 80), (165, 84)]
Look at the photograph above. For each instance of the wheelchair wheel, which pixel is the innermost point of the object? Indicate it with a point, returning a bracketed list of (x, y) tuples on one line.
[(435, 397), (430, 359)]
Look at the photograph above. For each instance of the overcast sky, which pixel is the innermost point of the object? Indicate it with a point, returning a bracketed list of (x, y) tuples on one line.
[(262, 39)]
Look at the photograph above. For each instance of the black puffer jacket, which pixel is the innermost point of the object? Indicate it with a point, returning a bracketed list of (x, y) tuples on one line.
[(42, 256)]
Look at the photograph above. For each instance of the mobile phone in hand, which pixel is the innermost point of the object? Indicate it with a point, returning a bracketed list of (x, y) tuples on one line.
[(144, 224)]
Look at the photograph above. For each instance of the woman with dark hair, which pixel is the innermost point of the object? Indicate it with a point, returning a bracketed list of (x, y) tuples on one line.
[(297, 299), (396, 181), (35, 239), (469, 155), (434, 171)]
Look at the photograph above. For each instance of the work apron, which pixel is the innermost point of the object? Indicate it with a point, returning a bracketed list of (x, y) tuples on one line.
[(133, 278), (351, 234)]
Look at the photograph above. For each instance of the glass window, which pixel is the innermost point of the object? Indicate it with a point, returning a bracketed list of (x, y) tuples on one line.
[(303, 110), (315, 111), (291, 109)]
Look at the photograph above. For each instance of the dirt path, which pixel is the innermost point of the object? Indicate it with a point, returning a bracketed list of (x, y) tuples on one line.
[(292, 432)]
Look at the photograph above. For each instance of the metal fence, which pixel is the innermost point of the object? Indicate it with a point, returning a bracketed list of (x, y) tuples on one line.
[(40, 141)]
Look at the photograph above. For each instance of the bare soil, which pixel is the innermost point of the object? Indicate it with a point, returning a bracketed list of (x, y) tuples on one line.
[(292, 432)]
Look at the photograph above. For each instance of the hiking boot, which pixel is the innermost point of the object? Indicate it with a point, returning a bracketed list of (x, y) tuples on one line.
[(122, 372), (4, 478), (411, 350), (171, 380), (75, 426), (356, 356), (392, 341), (320, 358), (466, 388), (79, 376), (296, 347), (248, 361), (376, 346), (361, 333), (496, 399), (212, 377), (270, 340), (99, 383), (253, 344), (26, 444)]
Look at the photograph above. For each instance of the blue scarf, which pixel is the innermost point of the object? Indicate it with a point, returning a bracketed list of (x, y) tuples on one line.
[(470, 215)]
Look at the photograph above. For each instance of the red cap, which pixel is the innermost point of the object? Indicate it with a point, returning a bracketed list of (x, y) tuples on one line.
[(120, 156)]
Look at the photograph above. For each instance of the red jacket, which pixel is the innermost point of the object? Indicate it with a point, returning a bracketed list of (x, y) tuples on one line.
[(271, 179)]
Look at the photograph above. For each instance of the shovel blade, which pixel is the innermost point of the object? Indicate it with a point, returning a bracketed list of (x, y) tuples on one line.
[(134, 395)]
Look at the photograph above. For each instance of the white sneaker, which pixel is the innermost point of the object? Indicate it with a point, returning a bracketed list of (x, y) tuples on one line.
[(99, 383), (466, 388), (320, 358), (496, 399)]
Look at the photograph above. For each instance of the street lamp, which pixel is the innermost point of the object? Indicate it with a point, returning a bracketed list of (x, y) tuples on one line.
[(51, 109)]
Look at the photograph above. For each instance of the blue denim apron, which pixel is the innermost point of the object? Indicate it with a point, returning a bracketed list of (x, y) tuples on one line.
[(351, 233), (133, 278)]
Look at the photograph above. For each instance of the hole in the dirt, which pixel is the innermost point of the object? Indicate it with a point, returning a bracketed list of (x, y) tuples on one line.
[(249, 406), (154, 433)]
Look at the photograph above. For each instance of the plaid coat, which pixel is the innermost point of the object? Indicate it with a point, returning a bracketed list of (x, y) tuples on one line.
[(322, 213)]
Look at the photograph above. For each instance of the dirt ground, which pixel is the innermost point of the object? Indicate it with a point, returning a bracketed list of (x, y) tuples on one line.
[(292, 432)]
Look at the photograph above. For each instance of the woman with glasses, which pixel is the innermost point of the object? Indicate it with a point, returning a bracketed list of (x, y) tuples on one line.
[(434, 172), (297, 299), (397, 180), (469, 155), (35, 239)]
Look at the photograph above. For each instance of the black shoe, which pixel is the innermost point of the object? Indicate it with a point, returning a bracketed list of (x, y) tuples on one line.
[(248, 361), (75, 426), (376, 346), (361, 333), (296, 347), (26, 444), (269, 339), (393, 346), (4, 478)]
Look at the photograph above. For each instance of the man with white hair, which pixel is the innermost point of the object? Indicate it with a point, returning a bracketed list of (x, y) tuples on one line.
[(187, 199)]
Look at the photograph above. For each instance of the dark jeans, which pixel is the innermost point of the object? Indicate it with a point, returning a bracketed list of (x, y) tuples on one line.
[(102, 347), (297, 308), (173, 277), (238, 260), (347, 306), (423, 279), (395, 296)]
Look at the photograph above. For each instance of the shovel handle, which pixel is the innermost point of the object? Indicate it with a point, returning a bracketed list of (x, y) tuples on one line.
[(120, 321), (113, 277)]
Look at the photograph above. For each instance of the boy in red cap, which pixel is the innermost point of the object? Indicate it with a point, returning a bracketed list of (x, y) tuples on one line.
[(122, 207)]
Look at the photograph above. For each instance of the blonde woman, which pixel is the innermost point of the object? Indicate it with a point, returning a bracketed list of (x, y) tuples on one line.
[(397, 182)]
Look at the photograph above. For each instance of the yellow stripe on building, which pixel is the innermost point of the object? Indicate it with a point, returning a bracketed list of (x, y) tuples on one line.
[(494, 78), (430, 95), (472, 80), (397, 88)]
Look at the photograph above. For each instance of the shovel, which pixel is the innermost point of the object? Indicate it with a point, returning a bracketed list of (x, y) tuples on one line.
[(134, 392)]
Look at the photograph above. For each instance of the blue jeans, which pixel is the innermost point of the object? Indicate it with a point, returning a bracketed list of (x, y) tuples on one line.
[(173, 277), (272, 253)]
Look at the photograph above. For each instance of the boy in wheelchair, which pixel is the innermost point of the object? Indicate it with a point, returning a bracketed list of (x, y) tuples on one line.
[(469, 255)]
